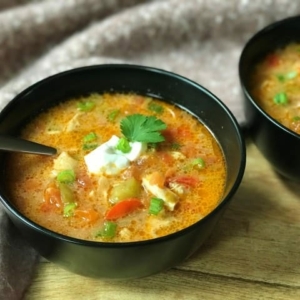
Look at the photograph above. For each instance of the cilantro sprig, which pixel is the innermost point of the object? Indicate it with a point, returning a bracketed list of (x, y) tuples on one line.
[(141, 128)]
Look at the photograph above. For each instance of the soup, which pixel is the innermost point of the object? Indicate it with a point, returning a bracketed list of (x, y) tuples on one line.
[(128, 168), (275, 85)]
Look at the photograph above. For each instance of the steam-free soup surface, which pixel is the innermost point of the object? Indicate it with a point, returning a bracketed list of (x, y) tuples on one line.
[(128, 168), (275, 85)]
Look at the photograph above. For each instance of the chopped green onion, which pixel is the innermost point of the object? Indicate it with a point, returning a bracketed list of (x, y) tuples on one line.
[(152, 146), (198, 162), (89, 146), (156, 205), (123, 145), (108, 230), (280, 98), (66, 176), (69, 209), (155, 108), (291, 75), (296, 118), (85, 106), (113, 114), (175, 146), (66, 193), (92, 136), (287, 76), (88, 139), (281, 77)]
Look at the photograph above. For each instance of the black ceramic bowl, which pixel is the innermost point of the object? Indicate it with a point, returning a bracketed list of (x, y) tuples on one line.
[(135, 259), (279, 145)]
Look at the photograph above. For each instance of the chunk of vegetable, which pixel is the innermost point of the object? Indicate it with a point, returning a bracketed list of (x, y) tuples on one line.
[(66, 193), (64, 162), (130, 188), (123, 208)]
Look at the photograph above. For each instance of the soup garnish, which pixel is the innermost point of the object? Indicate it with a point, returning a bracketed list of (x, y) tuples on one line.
[(275, 85), (128, 168)]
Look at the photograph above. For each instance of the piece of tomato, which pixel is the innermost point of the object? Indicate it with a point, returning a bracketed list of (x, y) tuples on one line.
[(52, 199), (86, 216), (123, 208)]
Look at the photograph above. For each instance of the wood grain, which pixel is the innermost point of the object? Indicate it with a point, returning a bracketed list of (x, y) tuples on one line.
[(253, 252)]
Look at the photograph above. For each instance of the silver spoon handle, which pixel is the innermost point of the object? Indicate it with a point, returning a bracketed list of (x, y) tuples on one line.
[(14, 144)]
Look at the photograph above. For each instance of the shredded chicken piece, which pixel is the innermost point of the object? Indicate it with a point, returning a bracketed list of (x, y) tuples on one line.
[(73, 123), (178, 155), (177, 188), (103, 187), (169, 197)]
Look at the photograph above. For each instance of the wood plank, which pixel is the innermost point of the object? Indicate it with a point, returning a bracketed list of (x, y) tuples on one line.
[(56, 284)]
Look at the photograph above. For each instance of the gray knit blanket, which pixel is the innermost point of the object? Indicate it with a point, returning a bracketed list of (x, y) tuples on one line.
[(199, 39)]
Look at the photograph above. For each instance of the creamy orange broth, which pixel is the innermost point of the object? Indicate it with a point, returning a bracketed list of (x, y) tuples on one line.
[(275, 85), (30, 177)]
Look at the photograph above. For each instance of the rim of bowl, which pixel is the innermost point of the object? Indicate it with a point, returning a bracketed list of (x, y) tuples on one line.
[(264, 31), (174, 235)]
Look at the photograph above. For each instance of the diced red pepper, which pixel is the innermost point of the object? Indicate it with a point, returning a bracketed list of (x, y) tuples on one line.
[(123, 208), (185, 180), (273, 60)]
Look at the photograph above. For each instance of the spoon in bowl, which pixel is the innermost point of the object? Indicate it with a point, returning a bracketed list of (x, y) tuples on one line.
[(14, 144)]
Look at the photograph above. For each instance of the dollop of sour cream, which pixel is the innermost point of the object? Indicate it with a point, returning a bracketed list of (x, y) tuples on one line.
[(106, 159)]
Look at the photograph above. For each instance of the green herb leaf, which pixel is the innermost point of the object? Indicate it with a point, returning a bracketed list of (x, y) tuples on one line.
[(155, 107), (123, 145), (66, 176), (85, 106), (140, 128), (280, 98)]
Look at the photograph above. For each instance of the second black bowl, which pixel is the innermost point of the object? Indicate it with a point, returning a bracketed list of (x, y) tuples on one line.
[(279, 145)]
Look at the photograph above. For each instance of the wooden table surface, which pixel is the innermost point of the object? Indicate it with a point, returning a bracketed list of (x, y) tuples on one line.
[(253, 253)]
